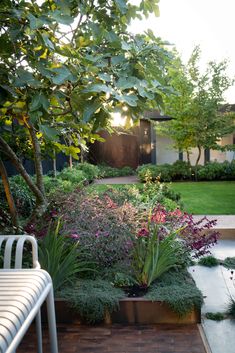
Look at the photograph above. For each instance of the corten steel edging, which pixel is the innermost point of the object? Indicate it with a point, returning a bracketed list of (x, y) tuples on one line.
[(131, 311)]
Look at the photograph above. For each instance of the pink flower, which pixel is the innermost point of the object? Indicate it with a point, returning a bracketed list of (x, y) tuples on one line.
[(159, 217), (143, 233), (74, 236)]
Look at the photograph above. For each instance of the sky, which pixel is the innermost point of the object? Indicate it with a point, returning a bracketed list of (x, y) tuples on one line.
[(187, 23)]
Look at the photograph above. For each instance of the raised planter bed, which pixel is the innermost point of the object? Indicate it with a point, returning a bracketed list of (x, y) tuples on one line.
[(132, 311)]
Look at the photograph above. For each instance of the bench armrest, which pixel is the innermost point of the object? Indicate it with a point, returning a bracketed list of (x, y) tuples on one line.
[(19, 241)]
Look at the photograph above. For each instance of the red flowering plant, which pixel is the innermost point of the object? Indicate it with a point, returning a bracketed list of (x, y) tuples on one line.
[(169, 239), (153, 252)]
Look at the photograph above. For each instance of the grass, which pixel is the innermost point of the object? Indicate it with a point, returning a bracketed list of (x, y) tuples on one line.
[(210, 198)]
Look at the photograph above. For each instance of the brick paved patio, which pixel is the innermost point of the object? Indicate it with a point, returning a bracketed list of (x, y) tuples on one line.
[(121, 339)]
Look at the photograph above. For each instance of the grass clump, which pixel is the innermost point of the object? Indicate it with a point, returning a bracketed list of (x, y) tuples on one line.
[(229, 262), (215, 316), (178, 290), (92, 299), (231, 308), (208, 261)]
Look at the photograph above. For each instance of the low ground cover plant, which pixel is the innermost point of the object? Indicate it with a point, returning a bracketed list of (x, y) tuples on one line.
[(106, 171), (208, 261)]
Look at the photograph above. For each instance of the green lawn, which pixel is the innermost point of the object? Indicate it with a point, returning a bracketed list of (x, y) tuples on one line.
[(207, 197)]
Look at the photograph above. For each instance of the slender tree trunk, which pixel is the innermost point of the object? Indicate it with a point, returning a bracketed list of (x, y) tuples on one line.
[(41, 202), (70, 161), (37, 159), (199, 155), (54, 164), (197, 161), (9, 197), (188, 157)]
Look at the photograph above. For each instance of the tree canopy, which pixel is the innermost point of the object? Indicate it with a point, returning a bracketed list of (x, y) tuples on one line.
[(65, 65), (196, 105)]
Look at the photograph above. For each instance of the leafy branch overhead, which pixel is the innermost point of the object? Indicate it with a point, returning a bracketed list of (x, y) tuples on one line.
[(65, 65)]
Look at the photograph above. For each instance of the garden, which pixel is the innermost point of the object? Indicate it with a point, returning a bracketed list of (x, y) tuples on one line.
[(102, 243)]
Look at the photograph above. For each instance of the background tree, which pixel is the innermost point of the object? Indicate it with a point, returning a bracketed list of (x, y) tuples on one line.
[(196, 105), (65, 66)]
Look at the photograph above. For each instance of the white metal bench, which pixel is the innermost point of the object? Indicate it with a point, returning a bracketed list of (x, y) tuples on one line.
[(22, 293)]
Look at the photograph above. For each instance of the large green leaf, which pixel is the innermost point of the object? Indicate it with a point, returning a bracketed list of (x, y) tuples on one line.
[(39, 100), (61, 17), (122, 5), (90, 109), (61, 75), (35, 22), (98, 88), (130, 99), (49, 133)]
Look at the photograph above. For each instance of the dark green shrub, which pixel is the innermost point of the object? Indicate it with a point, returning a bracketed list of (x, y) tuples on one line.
[(231, 308), (90, 171), (211, 171), (208, 261), (73, 175), (93, 299), (181, 170), (229, 262), (57, 185), (23, 197), (215, 316), (110, 172)]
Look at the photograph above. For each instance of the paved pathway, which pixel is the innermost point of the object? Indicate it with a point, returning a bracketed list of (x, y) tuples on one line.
[(122, 339), (217, 287)]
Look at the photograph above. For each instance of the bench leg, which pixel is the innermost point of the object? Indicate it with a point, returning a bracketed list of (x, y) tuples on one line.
[(39, 331), (52, 322)]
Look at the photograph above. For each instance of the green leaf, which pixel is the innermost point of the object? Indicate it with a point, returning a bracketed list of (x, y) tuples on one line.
[(61, 75), (35, 116), (61, 17), (124, 83), (105, 77), (35, 22), (98, 88), (39, 100), (130, 99), (49, 133), (121, 4), (47, 41), (90, 109), (26, 78)]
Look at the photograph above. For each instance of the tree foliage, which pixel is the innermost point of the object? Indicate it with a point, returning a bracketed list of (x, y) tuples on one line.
[(65, 65), (196, 106)]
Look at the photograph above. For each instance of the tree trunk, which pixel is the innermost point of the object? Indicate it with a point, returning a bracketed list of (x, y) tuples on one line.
[(199, 155), (9, 197), (37, 159), (188, 157), (70, 161), (41, 202), (197, 161), (54, 164)]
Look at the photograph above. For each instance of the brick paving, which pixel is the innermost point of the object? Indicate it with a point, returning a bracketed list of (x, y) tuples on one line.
[(121, 339)]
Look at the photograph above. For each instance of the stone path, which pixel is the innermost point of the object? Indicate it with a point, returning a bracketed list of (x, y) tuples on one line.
[(217, 286), (122, 339)]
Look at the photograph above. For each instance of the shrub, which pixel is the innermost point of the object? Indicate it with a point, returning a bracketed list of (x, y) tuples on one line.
[(92, 299), (104, 228), (215, 316), (59, 257), (231, 308), (208, 261), (73, 175), (181, 170), (211, 171), (154, 172), (109, 172), (229, 262), (90, 171), (23, 197), (57, 185)]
